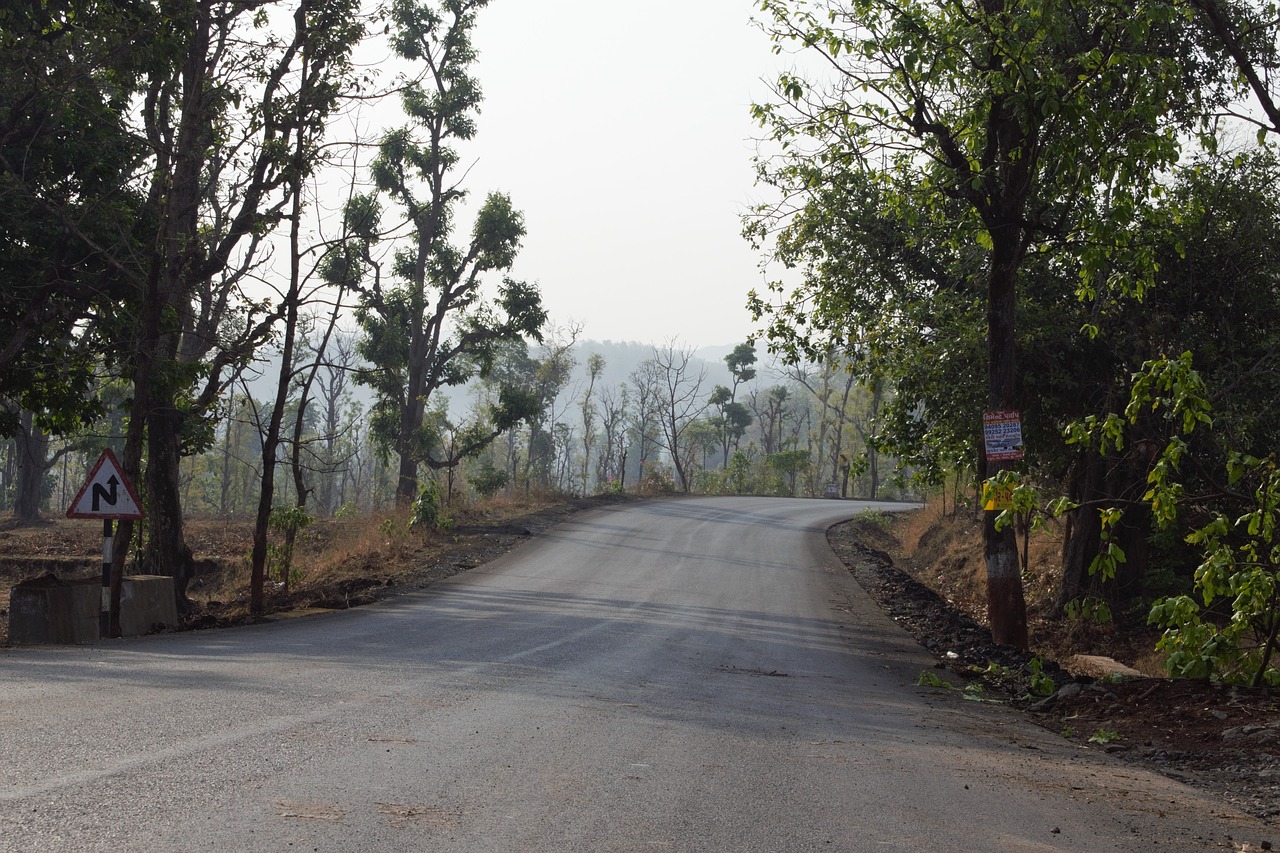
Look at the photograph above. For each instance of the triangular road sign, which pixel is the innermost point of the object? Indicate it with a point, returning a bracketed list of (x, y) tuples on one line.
[(107, 493)]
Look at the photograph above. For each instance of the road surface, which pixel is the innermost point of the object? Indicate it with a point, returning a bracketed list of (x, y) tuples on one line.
[(684, 675)]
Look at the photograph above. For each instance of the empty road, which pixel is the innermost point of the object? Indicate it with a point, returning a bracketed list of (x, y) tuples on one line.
[(683, 675)]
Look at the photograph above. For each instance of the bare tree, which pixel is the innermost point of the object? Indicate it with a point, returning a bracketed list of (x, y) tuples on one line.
[(612, 465), (644, 416), (333, 388), (550, 375), (595, 366), (678, 385), (831, 389)]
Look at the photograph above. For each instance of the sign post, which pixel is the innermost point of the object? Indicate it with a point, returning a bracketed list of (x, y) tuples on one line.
[(106, 494)]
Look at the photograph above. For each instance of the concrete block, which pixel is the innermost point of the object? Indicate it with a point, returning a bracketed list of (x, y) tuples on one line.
[(47, 610), (146, 601)]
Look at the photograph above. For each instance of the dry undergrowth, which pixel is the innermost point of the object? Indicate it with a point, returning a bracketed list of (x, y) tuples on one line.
[(338, 561), (342, 562), (943, 550)]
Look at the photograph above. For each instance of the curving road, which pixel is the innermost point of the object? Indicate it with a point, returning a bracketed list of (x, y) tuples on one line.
[(685, 675)]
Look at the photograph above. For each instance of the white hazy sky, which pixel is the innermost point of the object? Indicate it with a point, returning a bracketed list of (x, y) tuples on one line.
[(622, 130)]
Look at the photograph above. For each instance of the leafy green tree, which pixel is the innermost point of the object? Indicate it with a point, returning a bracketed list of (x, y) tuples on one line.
[(228, 108), (1197, 444), (734, 418), (431, 327), (999, 118), (738, 472), (70, 206), (701, 441), (790, 464), (731, 420), (486, 479), (741, 363)]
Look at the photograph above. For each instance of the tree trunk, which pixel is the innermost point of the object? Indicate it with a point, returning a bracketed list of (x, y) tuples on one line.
[(225, 485), (1006, 605), (410, 422), (167, 297), (167, 552), (1080, 544), (873, 458), (32, 446), (258, 556), (1098, 481), (332, 425)]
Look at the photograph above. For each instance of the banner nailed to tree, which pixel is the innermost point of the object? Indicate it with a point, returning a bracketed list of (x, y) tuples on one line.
[(1002, 435)]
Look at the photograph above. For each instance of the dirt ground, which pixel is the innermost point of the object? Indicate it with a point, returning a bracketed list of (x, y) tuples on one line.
[(924, 572), (337, 563), (1224, 740)]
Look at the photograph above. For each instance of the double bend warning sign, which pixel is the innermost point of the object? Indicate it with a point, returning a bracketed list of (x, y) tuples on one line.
[(106, 494)]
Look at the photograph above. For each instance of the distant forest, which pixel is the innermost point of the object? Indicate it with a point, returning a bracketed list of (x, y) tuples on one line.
[(610, 414)]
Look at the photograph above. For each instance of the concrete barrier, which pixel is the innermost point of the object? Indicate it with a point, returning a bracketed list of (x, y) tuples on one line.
[(47, 610), (145, 602)]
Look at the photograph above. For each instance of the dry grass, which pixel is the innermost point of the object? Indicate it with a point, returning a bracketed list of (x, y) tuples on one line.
[(381, 546), (343, 554), (944, 552)]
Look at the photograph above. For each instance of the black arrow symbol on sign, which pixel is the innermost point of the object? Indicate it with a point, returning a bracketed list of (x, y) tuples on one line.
[(100, 493)]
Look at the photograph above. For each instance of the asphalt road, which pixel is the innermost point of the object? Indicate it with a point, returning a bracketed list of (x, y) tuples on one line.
[(686, 675)]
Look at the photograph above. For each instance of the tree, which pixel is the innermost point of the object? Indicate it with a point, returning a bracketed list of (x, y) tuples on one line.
[(644, 415), (292, 376), (70, 206), (33, 463), (1245, 34), (731, 420), (1001, 118), (336, 363), (547, 376), (1213, 236), (611, 469), (226, 104), (701, 441), (741, 366), (595, 366), (772, 407), (677, 389), (790, 464), (432, 328), (833, 411)]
